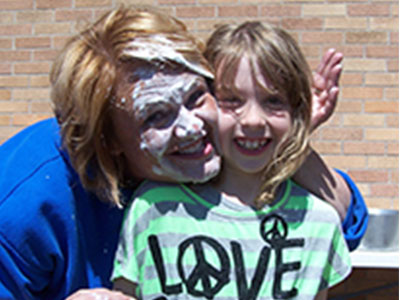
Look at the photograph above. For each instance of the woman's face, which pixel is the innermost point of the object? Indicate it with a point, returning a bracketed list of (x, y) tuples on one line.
[(164, 125)]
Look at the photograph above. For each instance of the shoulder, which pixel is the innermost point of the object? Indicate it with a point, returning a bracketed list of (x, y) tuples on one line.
[(36, 181), (316, 208), (32, 162)]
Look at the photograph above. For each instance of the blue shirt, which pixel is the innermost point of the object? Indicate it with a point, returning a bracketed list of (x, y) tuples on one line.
[(56, 237)]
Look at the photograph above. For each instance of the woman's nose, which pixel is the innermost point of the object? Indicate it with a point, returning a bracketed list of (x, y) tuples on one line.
[(188, 125)]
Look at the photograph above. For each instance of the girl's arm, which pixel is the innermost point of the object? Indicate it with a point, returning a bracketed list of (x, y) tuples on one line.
[(126, 286), (322, 295)]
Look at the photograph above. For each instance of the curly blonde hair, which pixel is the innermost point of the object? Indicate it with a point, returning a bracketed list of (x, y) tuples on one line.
[(282, 63), (83, 83)]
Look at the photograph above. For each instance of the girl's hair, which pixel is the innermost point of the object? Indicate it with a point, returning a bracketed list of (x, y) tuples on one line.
[(283, 65), (84, 81)]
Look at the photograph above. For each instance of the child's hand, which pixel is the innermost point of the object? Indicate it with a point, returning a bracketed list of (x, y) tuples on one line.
[(98, 294), (325, 87)]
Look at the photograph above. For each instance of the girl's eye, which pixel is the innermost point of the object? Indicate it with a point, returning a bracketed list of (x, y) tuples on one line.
[(274, 102), (229, 103), (194, 99)]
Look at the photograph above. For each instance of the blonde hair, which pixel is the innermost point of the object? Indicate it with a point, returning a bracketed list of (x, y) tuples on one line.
[(84, 78), (281, 63)]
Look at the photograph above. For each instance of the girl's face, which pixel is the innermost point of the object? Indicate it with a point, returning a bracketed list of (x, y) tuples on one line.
[(164, 127), (252, 121)]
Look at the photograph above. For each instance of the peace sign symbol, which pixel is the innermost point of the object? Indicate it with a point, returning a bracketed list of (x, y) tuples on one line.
[(273, 229), (198, 282)]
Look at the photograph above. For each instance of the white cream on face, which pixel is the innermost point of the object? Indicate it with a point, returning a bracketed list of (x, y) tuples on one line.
[(163, 95), (176, 126), (158, 48)]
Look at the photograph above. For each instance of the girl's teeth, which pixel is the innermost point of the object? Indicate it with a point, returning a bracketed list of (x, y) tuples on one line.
[(251, 145)]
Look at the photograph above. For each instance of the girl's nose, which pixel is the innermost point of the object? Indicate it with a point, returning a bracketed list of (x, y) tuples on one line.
[(253, 117)]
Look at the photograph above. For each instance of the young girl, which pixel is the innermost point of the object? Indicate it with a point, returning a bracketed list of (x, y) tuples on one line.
[(252, 233)]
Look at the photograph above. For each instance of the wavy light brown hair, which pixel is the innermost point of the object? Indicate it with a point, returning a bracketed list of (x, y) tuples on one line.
[(84, 80), (282, 63)]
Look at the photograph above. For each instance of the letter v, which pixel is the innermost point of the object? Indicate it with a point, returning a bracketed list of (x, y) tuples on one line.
[(244, 292)]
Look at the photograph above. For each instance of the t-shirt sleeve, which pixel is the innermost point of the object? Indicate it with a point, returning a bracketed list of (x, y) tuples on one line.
[(356, 221), (338, 266), (126, 260)]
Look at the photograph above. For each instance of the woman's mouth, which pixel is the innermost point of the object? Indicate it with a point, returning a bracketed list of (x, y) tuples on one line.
[(194, 149)]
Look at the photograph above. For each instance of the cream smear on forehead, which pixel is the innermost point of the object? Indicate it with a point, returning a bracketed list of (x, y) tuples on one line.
[(158, 48)]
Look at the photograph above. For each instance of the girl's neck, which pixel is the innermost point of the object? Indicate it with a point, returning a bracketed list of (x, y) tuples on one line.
[(238, 186)]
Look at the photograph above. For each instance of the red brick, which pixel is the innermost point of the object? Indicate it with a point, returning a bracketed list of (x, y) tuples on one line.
[(73, 15), (13, 106), (5, 68), (5, 94), (41, 55), (195, 12), (278, 10), (53, 3), (174, 2), (364, 148), (15, 4), (349, 106), (305, 24), (14, 55), (40, 81), (381, 107), (382, 51), (34, 16), (33, 42), (351, 79), (392, 120), (368, 9), (28, 119), (384, 190), (322, 37), (348, 50), (92, 3), (362, 93), (14, 81), (32, 68), (31, 94), (393, 148), (367, 37), (41, 107), (342, 134), (238, 11), (369, 176), (5, 43), (15, 29), (393, 65)]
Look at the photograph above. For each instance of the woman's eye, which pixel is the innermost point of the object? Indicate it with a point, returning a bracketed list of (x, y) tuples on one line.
[(194, 99), (156, 118)]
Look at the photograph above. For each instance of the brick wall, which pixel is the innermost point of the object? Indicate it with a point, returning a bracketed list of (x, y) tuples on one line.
[(361, 138)]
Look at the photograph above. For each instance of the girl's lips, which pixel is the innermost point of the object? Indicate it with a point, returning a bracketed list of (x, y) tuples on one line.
[(252, 146)]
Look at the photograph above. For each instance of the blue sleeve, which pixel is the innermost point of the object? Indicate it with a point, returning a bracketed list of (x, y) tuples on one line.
[(356, 221)]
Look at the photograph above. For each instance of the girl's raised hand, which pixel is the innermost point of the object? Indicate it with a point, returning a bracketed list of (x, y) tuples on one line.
[(326, 87)]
